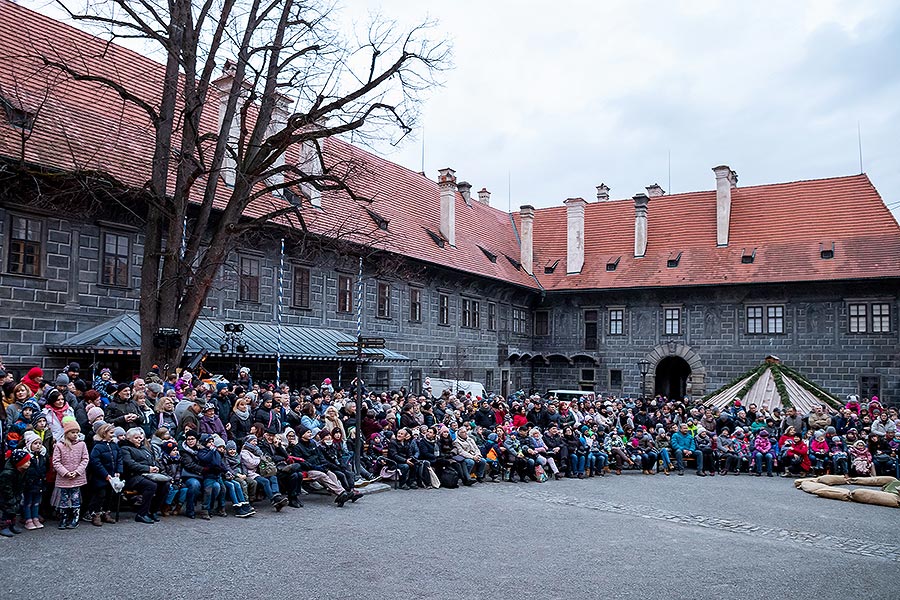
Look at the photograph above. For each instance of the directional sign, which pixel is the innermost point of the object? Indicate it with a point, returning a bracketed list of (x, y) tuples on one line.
[(347, 352), (375, 346), (373, 356), (369, 340), (346, 344)]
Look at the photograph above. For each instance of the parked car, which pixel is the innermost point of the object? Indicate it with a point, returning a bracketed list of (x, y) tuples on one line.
[(455, 386), (572, 395)]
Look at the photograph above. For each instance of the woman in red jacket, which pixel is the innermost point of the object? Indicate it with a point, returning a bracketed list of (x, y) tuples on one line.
[(797, 455)]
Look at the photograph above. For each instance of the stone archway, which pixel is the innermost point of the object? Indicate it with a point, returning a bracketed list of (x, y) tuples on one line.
[(695, 386)]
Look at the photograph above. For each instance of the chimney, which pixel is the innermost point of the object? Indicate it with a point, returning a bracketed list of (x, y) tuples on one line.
[(465, 190), (526, 238), (640, 225), (574, 235), (602, 192), (725, 180), (484, 196), (447, 185), (655, 191)]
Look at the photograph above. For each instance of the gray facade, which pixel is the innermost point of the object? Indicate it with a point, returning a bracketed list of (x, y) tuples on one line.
[(542, 347)]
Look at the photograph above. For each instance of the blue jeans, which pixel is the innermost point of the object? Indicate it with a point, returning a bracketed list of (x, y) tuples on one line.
[(212, 490), (597, 461), (840, 464), (679, 459), (269, 485), (176, 495), (664, 455), (577, 463), (478, 467), (758, 457), (30, 505), (233, 488), (193, 491)]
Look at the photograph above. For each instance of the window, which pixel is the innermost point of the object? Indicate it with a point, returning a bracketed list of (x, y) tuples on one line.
[(467, 375), (25, 239), (616, 321), (858, 320), (755, 319), (345, 294), (673, 321), (443, 374), (470, 316), (384, 300), (415, 305), (444, 309), (249, 280), (615, 379), (881, 318), (492, 317), (542, 322), (587, 375), (518, 320), (774, 319), (590, 330), (869, 385), (489, 380), (115, 259), (16, 116), (382, 379), (415, 381), (301, 287)]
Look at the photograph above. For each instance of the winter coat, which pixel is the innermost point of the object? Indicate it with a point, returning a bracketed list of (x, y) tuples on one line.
[(69, 458), (106, 460), (311, 454), (33, 478), (136, 462), (54, 423), (116, 411), (10, 490), (484, 417), (466, 448), (429, 451), (240, 428), (213, 425), (269, 419), (683, 441), (401, 452), (212, 461), (762, 444), (190, 465)]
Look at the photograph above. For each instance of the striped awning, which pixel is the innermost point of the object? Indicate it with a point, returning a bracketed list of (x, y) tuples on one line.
[(122, 335)]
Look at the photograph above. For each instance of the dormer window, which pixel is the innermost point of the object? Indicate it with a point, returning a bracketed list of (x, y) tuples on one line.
[(16, 116), (826, 253), (612, 265), (490, 255), (747, 259), (551, 267), (379, 220), (514, 262), (435, 238), (673, 262)]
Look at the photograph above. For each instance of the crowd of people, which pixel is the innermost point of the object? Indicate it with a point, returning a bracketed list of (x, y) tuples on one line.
[(175, 445)]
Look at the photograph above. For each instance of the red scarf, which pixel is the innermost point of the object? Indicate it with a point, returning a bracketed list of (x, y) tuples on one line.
[(60, 412)]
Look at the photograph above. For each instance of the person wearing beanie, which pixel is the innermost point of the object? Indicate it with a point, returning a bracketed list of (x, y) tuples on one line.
[(11, 480), (170, 464), (310, 458), (123, 410), (33, 480), (105, 464), (210, 422), (94, 414), (102, 383), (230, 481), (70, 461)]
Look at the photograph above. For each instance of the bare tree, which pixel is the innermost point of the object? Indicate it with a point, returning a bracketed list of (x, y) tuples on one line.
[(282, 79)]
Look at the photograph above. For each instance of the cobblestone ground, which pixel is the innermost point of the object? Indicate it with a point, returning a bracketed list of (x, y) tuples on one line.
[(627, 537)]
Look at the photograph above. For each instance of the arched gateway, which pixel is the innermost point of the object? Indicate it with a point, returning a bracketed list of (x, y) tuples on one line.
[(676, 370)]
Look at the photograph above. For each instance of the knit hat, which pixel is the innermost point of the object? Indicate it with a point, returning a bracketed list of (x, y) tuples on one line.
[(764, 433), (190, 433), (830, 430), (820, 434), (97, 425), (836, 439), (230, 445), (35, 409), (61, 379), (122, 386), (94, 413), (301, 429), (118, 432), (217, 440), (19, 458), (70, 424), (106, 371), (251, 439), (168, 446), (30, 438)]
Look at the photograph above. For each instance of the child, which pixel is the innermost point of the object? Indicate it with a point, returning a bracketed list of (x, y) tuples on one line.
[(248, 486), (105, 464), (839, 456), (33, 480), (70, 461), (170, 461), (11, 490), (102, 385), (861, 462), (819, 451)]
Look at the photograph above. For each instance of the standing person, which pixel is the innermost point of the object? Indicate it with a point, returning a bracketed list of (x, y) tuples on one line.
[(70, 461), (11, 478), (105, 464), (33, 482)]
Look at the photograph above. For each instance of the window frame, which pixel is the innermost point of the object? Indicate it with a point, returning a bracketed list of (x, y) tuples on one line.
[(104, 255), (303, 287), (444, 309), (611, 313), (344, 294), (672, 324), (465, 312), (39, 254), (244, 288), (383, 300), (519, 320), (382, 379), (544, 331), (415, 304), (881, 318), (591, 342), (858, 319), (756, 323), (775, 313), (492, 316)]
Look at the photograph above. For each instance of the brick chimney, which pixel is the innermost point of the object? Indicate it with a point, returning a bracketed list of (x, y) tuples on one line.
[(465, 190), (602, 192), (447, 185), (526, 238), (725, 180), (484, 196), (574, 235), (640, 225), (655, 191)]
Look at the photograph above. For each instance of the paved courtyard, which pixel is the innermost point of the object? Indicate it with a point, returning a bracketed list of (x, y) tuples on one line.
[(626, 537)]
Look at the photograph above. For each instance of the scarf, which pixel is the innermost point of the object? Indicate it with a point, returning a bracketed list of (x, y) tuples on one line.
[(60, 412), (243, 415)]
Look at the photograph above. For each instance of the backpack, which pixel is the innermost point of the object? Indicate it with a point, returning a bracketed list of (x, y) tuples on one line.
[(449, 478)]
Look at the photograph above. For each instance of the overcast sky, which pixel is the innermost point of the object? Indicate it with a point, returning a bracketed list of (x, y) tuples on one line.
[(558, 98), (548, 101)]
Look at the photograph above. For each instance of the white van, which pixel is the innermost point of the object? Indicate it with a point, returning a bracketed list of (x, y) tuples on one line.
[(572, 395), (456, 386)]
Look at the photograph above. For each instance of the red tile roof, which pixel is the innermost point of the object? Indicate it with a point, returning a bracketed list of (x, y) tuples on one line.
[(784, 223), (84, 125)]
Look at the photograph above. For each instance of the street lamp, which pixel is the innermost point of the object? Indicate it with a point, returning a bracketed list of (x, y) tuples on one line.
[(644, 366)]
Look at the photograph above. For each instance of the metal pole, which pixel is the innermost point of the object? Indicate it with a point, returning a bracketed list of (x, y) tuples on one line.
[(357, 454), (278, 314)]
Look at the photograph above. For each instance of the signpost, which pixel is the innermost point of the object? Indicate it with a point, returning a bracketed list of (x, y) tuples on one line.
[(359, 349)]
